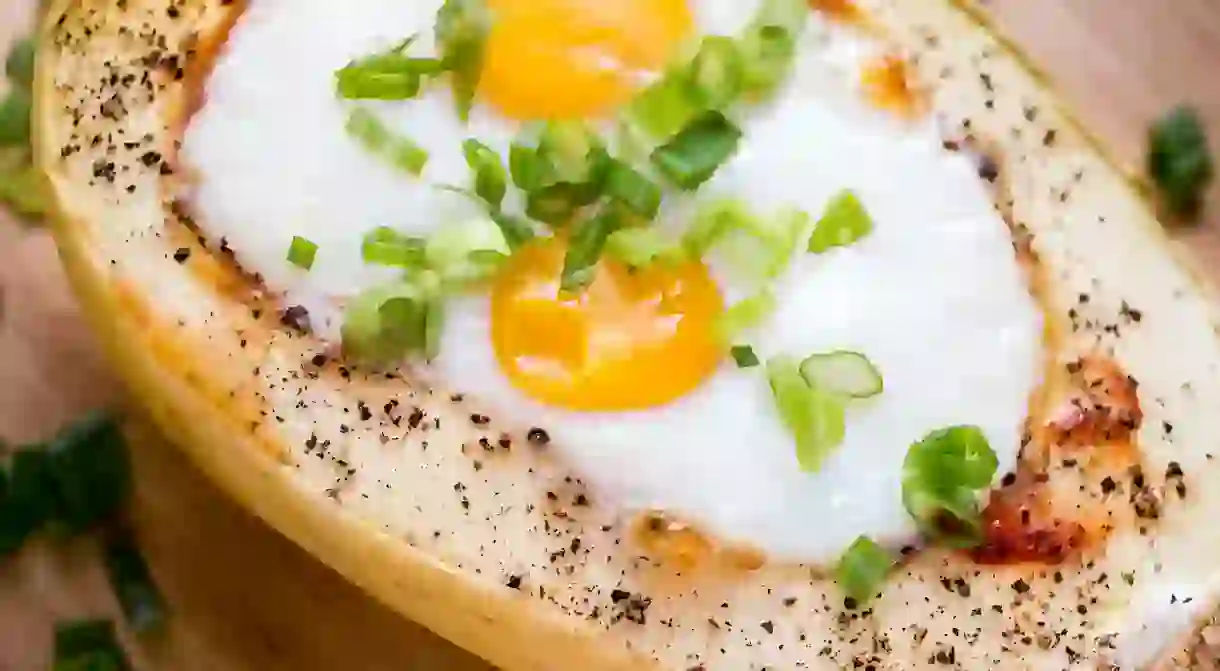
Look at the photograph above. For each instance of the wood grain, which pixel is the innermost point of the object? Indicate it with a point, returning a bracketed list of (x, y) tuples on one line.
[(243, 597)]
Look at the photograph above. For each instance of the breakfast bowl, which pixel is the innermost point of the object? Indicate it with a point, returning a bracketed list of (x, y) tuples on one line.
[(675, 334)]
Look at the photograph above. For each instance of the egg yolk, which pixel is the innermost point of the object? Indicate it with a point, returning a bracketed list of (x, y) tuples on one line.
[(564, 59), (630, 340)]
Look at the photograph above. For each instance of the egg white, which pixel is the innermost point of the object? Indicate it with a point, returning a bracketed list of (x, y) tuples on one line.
[(934, 296)]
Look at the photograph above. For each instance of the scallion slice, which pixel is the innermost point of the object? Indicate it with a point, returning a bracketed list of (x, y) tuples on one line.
[(716, 72), (467, 252), (557, 204), (385, 324), (391, 75), (638, 247), (132, 583), (302, 252), (88, 463), (767, 55), (585, 247), (517, 231), (490, 178), (843, 222), (15, 110), (385, 246), (942, 476), (571, 153), (862, 570), (843, 372), (790, 15), (19, 64), (631, 188), (88, 645), (461, 32), (30, 502), (744, 356), (692, 156), (665, 107), (376, 137), (744, 315), (815, 418), (765, 245)]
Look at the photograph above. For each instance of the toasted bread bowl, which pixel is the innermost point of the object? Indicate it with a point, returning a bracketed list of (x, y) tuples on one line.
[(528, 568)]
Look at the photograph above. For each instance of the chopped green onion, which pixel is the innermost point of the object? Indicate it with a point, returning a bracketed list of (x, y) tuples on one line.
[(744, 356), (528, 170), (1179, 161), (627, 186), (862, 569), (571, 152), (302, 252), (390, 75), (941, 477), (637, 247), (19, 65), (843, 372), (517, 231), (665, 107), (763, 247), (767, 55), (398, 150), (692, 156), (88, 645), (461, 32), (141, 601), (744, 315), (844, 222), (15, 112), (384, 324), (490, 178), (467, 252), (716, 71), (385, 246), (88, 462), (30, 501), (790, 15), (23, 187), (585, 248), (817, 419), (558, 203)]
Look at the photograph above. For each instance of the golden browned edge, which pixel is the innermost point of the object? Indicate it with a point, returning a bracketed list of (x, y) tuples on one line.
[(508, 630)]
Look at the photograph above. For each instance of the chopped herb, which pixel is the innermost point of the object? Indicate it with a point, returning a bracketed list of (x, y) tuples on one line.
[(585, 248), (302, 252), (30, 502), (816, 418), (692, 156), (461, 33), (627, 186), (376, 137), (843, 372), (467, 252), (15, 112), (23, 187), (767, 55), (88, 645), (19, 65), (490, 178), (557, 204), (141, 601), (1180, 161), (386, 324), (716, 72), (744, 356), (88, 463), (638, 247), (517, 231), (862, 569), (941, 477), (744, 315), (844, 222), (762, 247), (664, 107), (385, 246), (391, 75)]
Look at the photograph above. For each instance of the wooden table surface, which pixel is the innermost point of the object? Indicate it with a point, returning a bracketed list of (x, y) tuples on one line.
[(246, 599)]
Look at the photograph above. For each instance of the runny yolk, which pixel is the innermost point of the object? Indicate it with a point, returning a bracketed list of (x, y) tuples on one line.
[(631, 340), (556, 59)]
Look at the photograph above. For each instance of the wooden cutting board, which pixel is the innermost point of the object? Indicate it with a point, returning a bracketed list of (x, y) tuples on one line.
[(244, 598)]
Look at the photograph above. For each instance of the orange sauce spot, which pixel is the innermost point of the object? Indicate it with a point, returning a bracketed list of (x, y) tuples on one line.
[(843, 10), (888, 85), (631, 340), (555, 59)]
